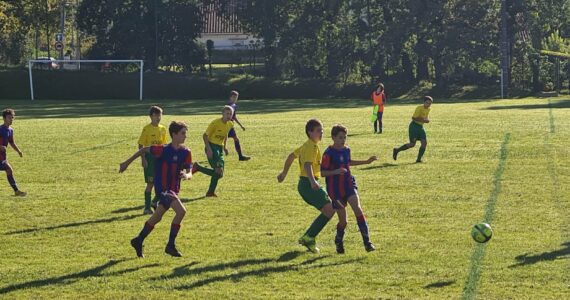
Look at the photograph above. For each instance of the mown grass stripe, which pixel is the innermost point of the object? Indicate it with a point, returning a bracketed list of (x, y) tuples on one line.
[(552, 125), (470, 289)]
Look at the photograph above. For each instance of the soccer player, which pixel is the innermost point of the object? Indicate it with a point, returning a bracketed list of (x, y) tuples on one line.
[(7, 137), (172, 163), (309, 155), (378, 99), (215, 139), (152, 134), (341, 186), (416, 130), (233, 134)]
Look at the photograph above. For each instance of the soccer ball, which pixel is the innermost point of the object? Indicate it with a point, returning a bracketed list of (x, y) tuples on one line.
[(481, 232)]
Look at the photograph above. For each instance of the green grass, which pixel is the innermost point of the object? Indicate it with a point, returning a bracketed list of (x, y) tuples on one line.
[(503, 160)]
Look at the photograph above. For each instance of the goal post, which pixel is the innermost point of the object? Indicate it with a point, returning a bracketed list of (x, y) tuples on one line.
[(60, 64)]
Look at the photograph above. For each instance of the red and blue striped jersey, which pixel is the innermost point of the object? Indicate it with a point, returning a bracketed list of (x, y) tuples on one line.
[(342, 185), (6, 137), (168, 165)]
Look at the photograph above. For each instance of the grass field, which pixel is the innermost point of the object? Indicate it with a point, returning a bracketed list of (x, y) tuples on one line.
[(506, 162)]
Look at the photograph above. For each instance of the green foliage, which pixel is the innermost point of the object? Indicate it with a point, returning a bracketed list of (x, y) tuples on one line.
[(555, 42)]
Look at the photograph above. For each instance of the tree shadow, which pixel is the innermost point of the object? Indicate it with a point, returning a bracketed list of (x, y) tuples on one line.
[(188, 200), (75, 224), (74, 277), (439, 284), (307, 264), (526, 259), (127, 209), (558, 104)]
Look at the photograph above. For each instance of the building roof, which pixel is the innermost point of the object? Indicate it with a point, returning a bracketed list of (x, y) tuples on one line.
[(216, 21)]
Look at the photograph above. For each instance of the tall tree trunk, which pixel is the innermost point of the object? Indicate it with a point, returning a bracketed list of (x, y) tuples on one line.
[(48, 40), (408, 67)]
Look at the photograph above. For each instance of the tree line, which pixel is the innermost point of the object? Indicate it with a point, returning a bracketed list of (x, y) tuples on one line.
[(443, 42)]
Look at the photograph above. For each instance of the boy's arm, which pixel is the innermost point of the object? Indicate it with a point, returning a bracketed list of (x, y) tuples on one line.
[(15, 147), (124, 165), (209, 152), (143, 158), (363, 162), (327, 173), (225, 141), (309, 169), (288, 162), (239, 123)]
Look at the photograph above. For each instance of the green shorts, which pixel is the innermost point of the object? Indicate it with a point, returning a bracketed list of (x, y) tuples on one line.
[(217, 160), (317, 198), (149, 170), (416, 132)]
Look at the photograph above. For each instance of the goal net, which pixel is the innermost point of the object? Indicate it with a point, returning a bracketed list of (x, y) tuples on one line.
[(85, 79)]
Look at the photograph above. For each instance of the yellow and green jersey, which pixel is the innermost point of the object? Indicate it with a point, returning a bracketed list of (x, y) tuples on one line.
[(217, 131), (309, 152), (421, 112), (153, 135)]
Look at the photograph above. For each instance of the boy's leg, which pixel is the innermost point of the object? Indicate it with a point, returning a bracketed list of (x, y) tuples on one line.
[(148, 198), (10, 176), (422, 150), (375, 125), (180, 211), (217, 162), (137, 242), (354, 202), (380, 113), (340, 228)]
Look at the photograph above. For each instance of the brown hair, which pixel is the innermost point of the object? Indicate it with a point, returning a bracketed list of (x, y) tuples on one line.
[(234, 93), (381, 86), (154, 110), (337, 128), (176, 126), (426, 98), (8, 112), (312, 124)]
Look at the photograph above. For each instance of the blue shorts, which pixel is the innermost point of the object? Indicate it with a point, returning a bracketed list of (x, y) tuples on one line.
[(380, 116), (232, 133), (341, 195), (166, 198), (3, 165)]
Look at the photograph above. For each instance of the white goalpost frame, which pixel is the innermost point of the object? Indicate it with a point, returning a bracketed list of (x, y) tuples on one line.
[(31, 62)]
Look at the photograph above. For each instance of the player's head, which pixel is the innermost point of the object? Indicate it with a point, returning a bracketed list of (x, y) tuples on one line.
[(428, 100), (314, 130), (8, 116), (155, 114), (380, 87), (338, 134), (227, 113), (177, 130), (234, 96)]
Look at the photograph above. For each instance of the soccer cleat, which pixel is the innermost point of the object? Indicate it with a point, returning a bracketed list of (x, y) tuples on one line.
[(211, 195), (147, 211), (138, 245), (20, 194), (369, 247), (244, 158), (171, 250), (310, 243), (395, 153), (339, 248), (419, 161)]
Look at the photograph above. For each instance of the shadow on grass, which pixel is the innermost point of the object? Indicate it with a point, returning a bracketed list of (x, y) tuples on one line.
[(74, 277), (558, 104), (113, 108), (237, 276), (141, 207), (76, 224), (439, 284), (387, 165), (526, 259)]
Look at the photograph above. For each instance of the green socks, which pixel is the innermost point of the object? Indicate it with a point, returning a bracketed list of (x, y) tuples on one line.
[(421, 153), (147, 200), (317, 226)]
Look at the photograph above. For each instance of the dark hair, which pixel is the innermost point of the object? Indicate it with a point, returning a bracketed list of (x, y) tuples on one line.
[(154, 110), (426, 98), (337, 128), (380, 85), (312, 124), (8, 112), (176, 126), (234, 93)]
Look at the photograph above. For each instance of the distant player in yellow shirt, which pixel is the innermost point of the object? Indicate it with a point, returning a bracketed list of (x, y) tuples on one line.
[(416, 130), (215, 139), (153, 134)]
